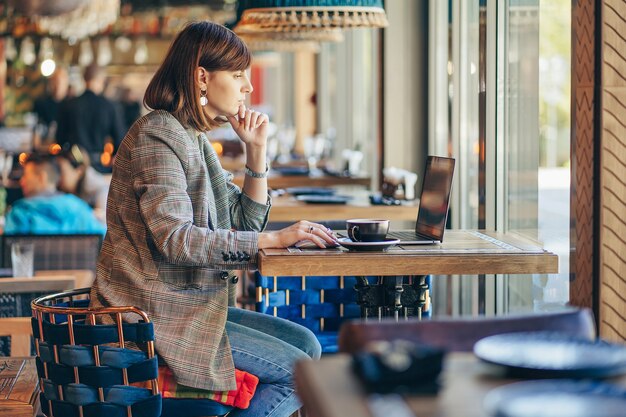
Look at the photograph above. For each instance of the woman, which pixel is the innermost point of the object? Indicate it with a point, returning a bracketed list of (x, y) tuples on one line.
[(178, 228)]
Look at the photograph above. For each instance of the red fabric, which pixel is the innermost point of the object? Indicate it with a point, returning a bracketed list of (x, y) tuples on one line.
[(239, 397)]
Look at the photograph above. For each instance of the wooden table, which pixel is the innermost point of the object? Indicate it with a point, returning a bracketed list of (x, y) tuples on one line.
[(19, 387), (48, 281), (276, 181), (83, 277), (287, 209), (462, 252), (328, 388)]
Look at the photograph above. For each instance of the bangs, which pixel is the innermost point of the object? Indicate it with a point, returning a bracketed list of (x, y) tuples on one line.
[(231, 54), (243, 58)]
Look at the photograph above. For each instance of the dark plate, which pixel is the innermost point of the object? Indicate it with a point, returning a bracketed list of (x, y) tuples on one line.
[(291, 170), (310, 191), (367, 246), (324, 199), (556, 398), (552, 355)]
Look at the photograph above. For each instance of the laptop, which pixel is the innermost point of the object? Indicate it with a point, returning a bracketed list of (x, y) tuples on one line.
[(434, 203)]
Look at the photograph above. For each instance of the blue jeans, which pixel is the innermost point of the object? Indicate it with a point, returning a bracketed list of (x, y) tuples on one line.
[(268, 347)]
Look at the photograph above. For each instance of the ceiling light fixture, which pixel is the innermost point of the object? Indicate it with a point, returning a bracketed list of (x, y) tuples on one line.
[(85, 20), (301, 16)]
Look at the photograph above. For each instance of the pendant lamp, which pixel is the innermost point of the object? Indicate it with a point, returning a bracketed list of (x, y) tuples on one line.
[(330, 35), (258, 43), (302, 16), (290, 41)]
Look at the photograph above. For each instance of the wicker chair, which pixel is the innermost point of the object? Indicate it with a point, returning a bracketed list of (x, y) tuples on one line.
[(88, 369)]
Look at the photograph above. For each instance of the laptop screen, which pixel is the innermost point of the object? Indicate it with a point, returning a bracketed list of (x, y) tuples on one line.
[(435, 197)]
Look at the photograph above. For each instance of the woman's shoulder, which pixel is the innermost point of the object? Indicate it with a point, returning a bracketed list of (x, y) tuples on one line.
[(160, 118), (160, 124)]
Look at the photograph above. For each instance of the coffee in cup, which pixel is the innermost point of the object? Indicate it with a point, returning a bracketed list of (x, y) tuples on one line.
[(367, 230)]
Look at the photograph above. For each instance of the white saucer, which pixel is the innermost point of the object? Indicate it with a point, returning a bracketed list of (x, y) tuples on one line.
[(367, 246)]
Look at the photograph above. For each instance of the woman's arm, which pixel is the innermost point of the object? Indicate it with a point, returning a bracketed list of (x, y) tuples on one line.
[(251, 127), (159, 160)]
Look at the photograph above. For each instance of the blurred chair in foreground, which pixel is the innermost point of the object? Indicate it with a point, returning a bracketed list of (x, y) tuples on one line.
[(461, 334)]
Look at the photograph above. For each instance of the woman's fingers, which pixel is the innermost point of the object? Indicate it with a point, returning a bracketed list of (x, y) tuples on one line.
[(249, 119), (319, 234), (254, 117), (246, 120), (263, 118)]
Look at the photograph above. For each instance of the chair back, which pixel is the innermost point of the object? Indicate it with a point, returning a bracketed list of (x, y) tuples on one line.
[(461, 334), (90, 369), (320, 304), (53, 252)]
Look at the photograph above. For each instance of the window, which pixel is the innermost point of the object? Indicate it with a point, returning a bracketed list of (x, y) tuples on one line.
[(503, 69)]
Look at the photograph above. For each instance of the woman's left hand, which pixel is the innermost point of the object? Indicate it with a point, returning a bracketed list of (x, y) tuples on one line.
[(251, 126)]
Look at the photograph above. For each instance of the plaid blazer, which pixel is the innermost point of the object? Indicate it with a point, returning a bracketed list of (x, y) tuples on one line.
[(168, 251)]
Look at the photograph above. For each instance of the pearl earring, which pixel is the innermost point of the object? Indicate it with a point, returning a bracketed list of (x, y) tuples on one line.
[(203, 100)]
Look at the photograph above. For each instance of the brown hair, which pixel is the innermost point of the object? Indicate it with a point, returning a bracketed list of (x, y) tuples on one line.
[(173, 87)]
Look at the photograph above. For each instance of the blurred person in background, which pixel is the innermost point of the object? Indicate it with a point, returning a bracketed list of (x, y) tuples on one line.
[(89, 119), (78, 177), (47, 107), (130, 107), (45, 210)]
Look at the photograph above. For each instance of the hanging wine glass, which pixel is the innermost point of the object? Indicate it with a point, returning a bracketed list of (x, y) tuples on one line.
[(104, 52), (6, 168), (27, 51), (85, 57)]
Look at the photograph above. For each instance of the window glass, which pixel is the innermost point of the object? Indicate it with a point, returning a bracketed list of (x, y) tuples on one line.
[(528, 191), (537, 140)]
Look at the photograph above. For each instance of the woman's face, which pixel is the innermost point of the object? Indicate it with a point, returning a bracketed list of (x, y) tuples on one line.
[(226, 91)]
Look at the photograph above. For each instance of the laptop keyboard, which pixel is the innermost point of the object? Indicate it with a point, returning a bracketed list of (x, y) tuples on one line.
[(407, 235)]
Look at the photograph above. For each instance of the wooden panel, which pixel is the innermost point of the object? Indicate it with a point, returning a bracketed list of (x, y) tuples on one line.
[(613, 173), (583, 79), (613, 43)]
